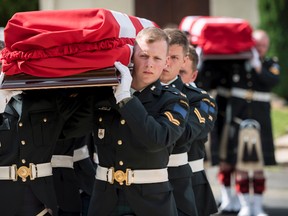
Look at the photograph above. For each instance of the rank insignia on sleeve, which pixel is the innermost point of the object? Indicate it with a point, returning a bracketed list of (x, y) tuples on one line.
[(184, 102), (101, 133), (200, 118), (172, 119), (206, 99), (212, 104)]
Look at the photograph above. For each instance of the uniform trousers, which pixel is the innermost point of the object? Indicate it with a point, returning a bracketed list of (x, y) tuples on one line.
[(123, 207), (31, 205)]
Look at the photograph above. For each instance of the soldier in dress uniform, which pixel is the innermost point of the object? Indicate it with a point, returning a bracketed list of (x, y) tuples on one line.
[(205, 201), (85, 167), (216, 75), (179, 170), (73, 174), (180, 173), (135, 135), (31, 122), (250, 141)]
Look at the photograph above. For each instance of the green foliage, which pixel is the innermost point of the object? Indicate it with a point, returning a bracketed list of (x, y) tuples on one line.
[(279, 121), (274, 19), (9, 7)]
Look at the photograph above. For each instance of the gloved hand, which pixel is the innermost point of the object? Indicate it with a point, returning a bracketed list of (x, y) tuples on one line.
[(255, 61), (5, 96), (1, 78), (122, 91)]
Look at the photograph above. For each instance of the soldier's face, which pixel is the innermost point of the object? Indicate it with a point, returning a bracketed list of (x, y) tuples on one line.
[(262, 46), (175, 62), (149, 61), (187, 73)]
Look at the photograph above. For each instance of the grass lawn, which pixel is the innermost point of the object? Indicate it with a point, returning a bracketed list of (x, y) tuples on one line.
[(279, 121)]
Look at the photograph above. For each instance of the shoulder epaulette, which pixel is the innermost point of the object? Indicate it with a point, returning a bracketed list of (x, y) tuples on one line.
[(172, 90), (190, 87)]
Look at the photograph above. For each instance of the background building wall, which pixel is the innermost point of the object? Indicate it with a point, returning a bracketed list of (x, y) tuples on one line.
[(246, 9), (124, 6)]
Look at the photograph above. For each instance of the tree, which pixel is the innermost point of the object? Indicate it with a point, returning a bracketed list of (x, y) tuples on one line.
[(9, 7), (274, 20)]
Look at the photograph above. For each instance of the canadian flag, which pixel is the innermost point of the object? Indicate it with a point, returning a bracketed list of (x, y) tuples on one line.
[(218, 35), (67, 42)]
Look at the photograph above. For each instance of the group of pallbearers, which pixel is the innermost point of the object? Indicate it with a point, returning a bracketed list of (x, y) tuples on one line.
[(235, 67), (149, 129)]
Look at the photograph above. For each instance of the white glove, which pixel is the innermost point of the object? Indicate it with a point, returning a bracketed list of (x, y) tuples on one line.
[(255, 61), (1, 78), (122, 91), (5, 96)]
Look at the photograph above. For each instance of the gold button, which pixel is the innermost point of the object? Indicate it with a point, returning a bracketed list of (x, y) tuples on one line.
[(44, 119), (121, 163), (122, 121), (23, 142), (119, 142), (100, 119), (20, 124), (23, 161)]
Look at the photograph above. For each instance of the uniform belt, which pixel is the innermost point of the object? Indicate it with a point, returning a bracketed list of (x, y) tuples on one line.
[(131, 176), (81, 153), (62, 161), (224, 92), (197, 165), (33, 171), (251, 95), (176, 160)]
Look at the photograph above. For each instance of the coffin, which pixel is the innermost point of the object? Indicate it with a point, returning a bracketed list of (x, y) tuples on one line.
[(67, 48), (100, 77), (219, 37)]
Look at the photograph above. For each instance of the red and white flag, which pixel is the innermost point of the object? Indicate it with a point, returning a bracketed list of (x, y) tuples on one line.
[(218, 35), (67, 42)]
